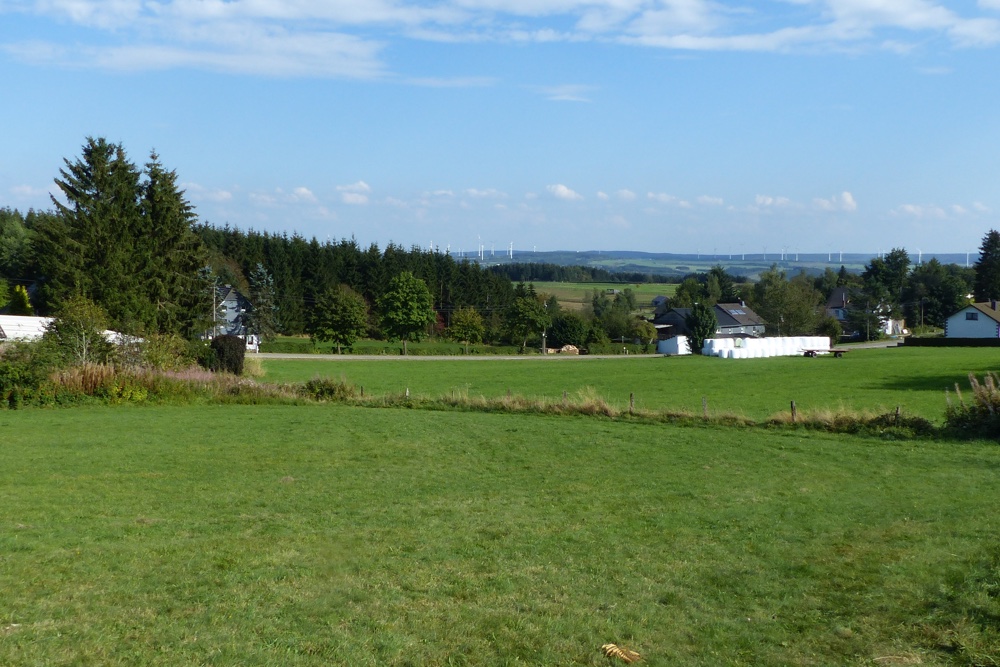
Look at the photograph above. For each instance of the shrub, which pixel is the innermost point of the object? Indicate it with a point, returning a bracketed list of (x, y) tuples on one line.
[(326, 389), (230, 352)]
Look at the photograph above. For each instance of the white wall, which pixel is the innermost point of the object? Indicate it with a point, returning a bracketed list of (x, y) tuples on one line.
[(958, 327)]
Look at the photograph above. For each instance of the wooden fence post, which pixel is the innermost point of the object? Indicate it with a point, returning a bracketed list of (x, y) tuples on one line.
[(704, 407), (631, 403), (794, 412)]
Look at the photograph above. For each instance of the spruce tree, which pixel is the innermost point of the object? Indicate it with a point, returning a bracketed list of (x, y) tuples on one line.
[(170, 252), (987, 284), (88, 249), (124, 242)]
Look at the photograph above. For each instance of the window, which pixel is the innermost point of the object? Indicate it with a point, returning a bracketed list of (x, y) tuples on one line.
[(972, 316)]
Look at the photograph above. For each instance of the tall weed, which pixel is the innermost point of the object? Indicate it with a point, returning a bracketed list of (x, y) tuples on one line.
[(981, 414)]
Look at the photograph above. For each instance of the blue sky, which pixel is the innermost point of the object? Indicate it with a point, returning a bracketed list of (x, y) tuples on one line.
[(658, 125)]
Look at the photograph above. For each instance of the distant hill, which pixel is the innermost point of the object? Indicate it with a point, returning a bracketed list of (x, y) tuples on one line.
[(679, 265)]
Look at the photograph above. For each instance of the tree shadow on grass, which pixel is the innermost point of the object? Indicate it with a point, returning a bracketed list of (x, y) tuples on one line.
[(926, 382)]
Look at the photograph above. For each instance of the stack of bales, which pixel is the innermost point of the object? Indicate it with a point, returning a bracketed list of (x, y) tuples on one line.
[(755, 348)]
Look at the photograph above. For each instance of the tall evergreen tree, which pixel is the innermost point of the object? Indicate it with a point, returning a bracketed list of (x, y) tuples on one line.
[(170, 252), (263, 316), (122, 242), (987, 285), (88, 250)]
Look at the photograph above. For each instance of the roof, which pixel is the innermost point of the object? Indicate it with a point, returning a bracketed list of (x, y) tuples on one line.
[(22, 327), (728, 315), (985, 308), (839, 298), (736, 314)]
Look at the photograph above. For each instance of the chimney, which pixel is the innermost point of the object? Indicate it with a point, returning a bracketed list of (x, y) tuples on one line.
[(993, 304)]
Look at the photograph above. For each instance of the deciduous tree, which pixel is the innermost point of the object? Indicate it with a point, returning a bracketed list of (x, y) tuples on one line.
[(526, 315), (466, 327), (406, 309), (340, 317)]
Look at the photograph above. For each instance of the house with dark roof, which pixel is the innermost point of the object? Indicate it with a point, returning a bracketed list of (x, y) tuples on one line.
[(977, 320), (736, 320), (837, 304)]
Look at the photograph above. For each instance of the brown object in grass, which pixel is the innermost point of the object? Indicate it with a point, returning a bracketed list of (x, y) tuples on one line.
[(623, 654)]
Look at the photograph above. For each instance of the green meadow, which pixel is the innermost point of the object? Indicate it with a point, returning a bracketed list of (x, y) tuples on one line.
[(875, 380), (332, 535), (573, 296)]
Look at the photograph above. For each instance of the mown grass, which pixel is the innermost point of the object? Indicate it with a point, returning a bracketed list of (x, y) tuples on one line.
[(319, 535), (915, 379)]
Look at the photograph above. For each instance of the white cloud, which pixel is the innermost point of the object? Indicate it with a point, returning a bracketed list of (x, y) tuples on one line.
[(767, 201), (489, 193), (302, 194), (625, 195), (348, 39), (355, 194), (665, 198), (920, 211), (842, 202), (263, 199), (562, 192), (603, 196), (354, 198), (710, 201), (201, 193)]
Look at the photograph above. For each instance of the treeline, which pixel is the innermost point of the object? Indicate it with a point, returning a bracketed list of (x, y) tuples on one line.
[(303, 270), (527, 272)]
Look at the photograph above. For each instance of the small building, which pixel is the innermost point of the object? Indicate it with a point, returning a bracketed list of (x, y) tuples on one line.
[(977, 320), (838, 303)]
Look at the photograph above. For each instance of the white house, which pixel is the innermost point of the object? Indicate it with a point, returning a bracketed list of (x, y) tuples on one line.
[(977, 320)]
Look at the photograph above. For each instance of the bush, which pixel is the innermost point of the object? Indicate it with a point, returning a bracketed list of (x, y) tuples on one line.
[(325, 389), (229, 354)]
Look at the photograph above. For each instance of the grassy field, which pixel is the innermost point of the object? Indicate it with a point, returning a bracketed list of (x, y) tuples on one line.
[(572, 296), (877, 380), (345, 536)]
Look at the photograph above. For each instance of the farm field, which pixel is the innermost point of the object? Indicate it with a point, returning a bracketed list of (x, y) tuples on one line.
[(874, 380), (329, 535), (572, 296)]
